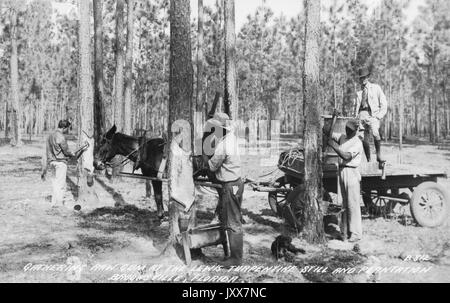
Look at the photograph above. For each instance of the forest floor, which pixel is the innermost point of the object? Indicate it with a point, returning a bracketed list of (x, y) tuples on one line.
[(123, 232)]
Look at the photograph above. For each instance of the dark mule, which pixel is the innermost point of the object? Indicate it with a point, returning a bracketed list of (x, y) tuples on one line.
[(150, 155)]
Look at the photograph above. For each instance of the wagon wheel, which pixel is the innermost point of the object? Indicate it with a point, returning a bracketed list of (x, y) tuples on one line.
[(276, 200), (429, 204), (294, 206), (377, 206)]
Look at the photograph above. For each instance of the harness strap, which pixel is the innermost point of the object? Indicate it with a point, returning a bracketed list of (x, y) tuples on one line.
[(126, 160)]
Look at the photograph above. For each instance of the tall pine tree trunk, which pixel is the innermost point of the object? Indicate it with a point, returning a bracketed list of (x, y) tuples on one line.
[(430, 112), (118, 87), (99, 109), (200, 58), (444, 100), (311, 217), (230, 100), (7, 117), (129, 70), (180, 87), (16, 139), (86, 194), (118, 106)]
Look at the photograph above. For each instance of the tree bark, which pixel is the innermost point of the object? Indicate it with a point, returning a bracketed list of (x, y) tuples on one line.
[(15, 114), (180, 88), (444, 103), (200, 59), (86, 194), (99, 109), (7, 120), (416, 118), (311, 217), (230, 100), (118, 106), (129, 69), (430, 112)]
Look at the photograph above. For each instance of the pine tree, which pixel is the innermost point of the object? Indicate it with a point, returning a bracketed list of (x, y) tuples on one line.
[(311, 217), (99, 94), (127, 116), (180, 88), (231, 98), (86, 194), (119, 51)]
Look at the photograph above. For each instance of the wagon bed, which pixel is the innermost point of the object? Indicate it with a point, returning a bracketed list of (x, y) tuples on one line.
[(402, 184)]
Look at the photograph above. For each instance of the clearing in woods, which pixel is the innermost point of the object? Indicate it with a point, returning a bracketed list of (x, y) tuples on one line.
[(122, 234)]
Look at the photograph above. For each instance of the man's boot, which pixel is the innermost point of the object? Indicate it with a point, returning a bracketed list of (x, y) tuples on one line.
[(378, 150), (366, 147), (236, 241)]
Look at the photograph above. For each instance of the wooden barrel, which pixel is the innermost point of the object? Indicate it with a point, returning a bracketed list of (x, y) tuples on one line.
[(330, 155), (339, 126)]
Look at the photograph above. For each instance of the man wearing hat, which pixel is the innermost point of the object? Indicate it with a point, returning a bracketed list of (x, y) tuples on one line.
[(226, 164), (349, 149), (57, 153), (371, 107)]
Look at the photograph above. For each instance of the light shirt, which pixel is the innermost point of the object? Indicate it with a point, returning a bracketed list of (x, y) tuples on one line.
[(57, 148), (353, 146), (376, 100), (226, 161), (365, 98)]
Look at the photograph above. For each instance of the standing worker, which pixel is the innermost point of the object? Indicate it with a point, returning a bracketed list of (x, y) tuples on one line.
[(371, 107), (57, 156), (349, 149), (226, 164)]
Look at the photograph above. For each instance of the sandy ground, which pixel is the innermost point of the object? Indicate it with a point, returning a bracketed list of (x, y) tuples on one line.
[(129, 238)]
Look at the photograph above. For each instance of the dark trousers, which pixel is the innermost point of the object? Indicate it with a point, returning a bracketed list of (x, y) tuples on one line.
[(229, 206)]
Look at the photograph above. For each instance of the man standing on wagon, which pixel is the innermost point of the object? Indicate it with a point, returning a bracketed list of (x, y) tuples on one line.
[(349, 149), (371, 107), (226, 164)]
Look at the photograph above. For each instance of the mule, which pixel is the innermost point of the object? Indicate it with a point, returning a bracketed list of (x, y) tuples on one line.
[(113, 143)]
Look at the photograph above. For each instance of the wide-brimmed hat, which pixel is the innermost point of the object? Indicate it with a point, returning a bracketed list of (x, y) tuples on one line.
[(219, 120), (352, 124), (363, 72), (64, 123)]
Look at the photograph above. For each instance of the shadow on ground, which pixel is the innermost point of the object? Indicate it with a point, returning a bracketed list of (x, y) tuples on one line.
[(260, 220), (126, 218), (118, 198)]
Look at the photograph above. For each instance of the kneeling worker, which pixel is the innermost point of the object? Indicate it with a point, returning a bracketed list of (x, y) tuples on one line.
[(350, 150), (226, 164)]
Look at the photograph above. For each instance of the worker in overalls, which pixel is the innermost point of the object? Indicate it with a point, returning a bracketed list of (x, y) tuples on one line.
[(349, 148), (226, 164)]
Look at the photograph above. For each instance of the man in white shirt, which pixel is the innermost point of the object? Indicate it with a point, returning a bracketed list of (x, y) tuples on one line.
[(349, 149), (226, 164), (371, 107)]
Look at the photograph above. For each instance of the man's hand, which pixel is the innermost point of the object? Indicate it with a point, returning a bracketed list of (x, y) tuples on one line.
[(205, 160), (43, 176), (81, 150), (331, 143), (335, 112)]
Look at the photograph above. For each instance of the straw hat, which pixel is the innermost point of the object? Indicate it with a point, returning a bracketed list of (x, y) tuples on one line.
[(219, 120)]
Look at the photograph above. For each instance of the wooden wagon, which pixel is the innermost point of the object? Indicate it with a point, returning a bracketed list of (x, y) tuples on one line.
[(428, 200)]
